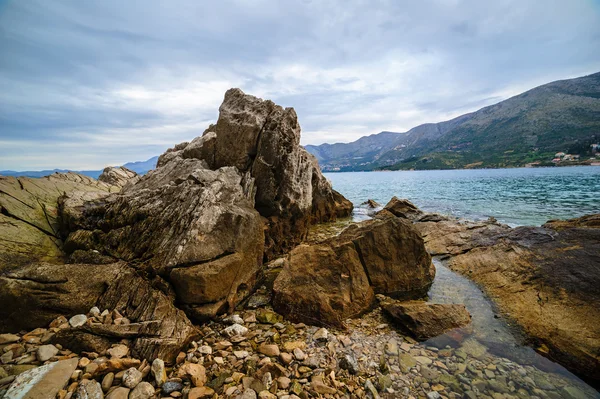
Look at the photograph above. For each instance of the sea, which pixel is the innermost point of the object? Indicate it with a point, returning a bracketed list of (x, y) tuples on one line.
[(519, 196)]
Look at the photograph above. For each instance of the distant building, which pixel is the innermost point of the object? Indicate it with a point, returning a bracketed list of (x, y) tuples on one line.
[(559, 155), (556, 160), (595, 148)]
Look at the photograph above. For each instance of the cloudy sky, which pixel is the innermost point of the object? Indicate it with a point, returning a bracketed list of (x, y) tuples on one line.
[(85, 84)]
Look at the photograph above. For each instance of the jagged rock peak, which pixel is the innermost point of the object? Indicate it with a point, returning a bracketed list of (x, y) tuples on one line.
[(262, 138), (118, 176)]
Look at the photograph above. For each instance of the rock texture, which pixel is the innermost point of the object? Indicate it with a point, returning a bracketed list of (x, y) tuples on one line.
[(262, 138), (545, 278), (425, 320), (118, 176), (336, 279), (45, 291), (29, 219), (195, 227)]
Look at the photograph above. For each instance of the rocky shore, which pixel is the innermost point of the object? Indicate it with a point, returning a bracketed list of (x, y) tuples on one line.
[(213, 276)]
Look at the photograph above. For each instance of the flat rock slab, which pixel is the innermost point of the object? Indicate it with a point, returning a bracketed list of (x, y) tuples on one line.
[(42, 382)]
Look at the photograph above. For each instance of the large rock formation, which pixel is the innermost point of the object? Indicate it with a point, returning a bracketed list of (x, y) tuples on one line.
[(195, 227), (34, 295), (544, 278), (328, 282), (118, 176), (262, 138), (29, 220)]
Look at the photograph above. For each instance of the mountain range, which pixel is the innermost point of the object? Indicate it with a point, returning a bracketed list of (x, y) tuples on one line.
[(140, 167), (530, 128)]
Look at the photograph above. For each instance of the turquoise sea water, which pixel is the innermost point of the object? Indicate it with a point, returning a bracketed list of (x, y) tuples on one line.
[(521, 196)]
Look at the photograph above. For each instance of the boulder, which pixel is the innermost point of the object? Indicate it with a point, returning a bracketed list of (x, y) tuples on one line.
[(328, 282), (322, 285), (118, 176), (45, 291), (424, 320), (402, 208), (262, 138), (393, 254), (195, 227)]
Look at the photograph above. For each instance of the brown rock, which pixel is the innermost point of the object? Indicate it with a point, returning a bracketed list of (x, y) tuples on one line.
[(200, 392), (194, 372), (547, 279), (262, 138), (401, 208), (425, 320), (118, 176)]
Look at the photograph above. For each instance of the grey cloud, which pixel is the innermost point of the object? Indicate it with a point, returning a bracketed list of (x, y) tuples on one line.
[(89, 83)]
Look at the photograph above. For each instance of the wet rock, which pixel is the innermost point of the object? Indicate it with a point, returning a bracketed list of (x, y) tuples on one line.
[(425, 320)]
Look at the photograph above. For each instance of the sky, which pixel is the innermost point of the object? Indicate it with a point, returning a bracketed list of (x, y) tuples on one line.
[(86, 84)]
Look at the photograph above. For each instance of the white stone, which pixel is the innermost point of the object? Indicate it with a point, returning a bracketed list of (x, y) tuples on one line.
[(235, 329), (77, 320), (45, 352)]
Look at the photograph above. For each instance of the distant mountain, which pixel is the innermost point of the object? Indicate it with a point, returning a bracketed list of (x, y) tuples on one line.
[(140, 167), (562, 116)]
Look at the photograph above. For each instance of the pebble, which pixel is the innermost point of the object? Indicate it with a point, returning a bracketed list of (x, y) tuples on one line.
[(119, 393), (45, 352), (235, 329), (143, 390), (159, 372), (107, 382), (118, 351), (9, 338), (78, 320), (321, 334), (132, 377), (171, 386), (89, 389)]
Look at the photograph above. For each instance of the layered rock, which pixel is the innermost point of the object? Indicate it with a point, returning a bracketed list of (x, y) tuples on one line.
[(425, 320), (34, 295), (328, 282), (544, 278), (195, 227), (29, 219), (262, 138), (118, 176)]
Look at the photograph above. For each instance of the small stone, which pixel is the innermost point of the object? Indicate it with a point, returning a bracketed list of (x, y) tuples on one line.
[(433, 395), (195, 372), (143, 390), (77, 320), (95, 312), (205, 350), (235, 329), (391, 347), (241, 354), (283, 382), (269, 350), (200, 392), (132, 377), (321, 334), (171, 386), (349, 362), (9, 338), (119, 393), (180, 358), (107, 382), (83, 362), (423, 360), (45, 352), (248, 393), (299, 354), (234, 319), (159, 372), (118, 351), (89, 389), (285, 358)]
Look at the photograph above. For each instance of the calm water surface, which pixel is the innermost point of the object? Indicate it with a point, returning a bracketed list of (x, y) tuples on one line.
[(523, 196)]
